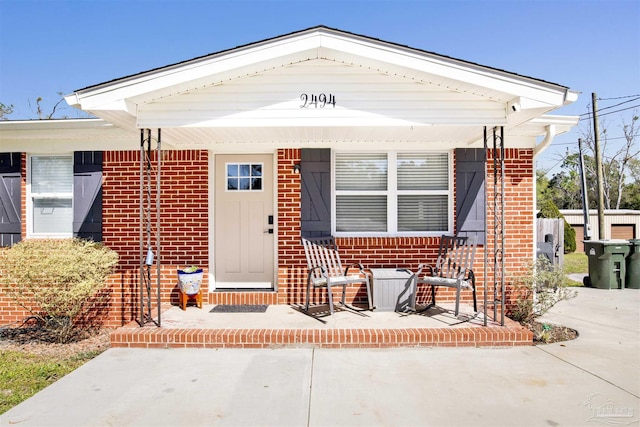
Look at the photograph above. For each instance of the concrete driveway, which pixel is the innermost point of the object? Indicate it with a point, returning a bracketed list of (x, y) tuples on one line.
[(593, 380)]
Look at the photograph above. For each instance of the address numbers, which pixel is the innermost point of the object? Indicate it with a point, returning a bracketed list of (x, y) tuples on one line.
[(319, 100)]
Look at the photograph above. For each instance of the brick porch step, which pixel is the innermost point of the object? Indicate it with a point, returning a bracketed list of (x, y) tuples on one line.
[(512, 334)]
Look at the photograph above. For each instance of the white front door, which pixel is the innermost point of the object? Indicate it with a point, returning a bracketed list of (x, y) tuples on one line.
[(244, 221)]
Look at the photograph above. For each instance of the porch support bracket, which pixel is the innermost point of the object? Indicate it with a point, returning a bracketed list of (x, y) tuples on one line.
[(150, 184), (496, 275)]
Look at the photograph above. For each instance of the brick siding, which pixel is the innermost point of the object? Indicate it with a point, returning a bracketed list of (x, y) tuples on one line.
[(185, 223)]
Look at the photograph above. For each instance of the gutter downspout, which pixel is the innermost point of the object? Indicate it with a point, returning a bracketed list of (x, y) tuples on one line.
[(548, 139)]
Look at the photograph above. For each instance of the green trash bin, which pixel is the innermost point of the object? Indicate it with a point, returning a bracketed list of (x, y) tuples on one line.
[(633, 265), (607, 263)]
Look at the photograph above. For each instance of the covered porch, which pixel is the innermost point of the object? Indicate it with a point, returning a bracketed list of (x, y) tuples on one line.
[(314, 105), (287, 326)]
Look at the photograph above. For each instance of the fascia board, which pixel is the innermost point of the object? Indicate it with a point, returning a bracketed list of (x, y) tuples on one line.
[(557, 120), (55, 146), (112, 93), (48, 125), (57, 136), (450, 68), (309, 44)]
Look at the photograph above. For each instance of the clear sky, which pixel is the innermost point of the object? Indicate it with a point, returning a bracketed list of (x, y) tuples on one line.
[(52, 46)]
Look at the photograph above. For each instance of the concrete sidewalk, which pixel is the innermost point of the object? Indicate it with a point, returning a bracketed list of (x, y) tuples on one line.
[(593, 380)]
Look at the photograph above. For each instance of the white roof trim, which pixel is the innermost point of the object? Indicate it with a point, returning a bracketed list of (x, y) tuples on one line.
[(64, 135), (311, 44)]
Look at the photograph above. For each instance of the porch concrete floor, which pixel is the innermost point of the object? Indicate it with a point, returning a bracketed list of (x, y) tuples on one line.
[(288, 326), (292, 317)]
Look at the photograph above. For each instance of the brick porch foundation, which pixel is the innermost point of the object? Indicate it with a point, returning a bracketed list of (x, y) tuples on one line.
[(510, 335)]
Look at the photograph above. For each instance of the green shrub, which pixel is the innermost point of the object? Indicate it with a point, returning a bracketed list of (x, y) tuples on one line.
[(538, 290), (569, 238), (57, 280)]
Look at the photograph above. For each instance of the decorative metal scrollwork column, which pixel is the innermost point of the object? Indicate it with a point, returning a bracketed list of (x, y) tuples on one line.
[(150, 166), (497, 265)]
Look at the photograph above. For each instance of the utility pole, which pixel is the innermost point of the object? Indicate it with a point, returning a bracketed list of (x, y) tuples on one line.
[(585, 197), (599, 173)]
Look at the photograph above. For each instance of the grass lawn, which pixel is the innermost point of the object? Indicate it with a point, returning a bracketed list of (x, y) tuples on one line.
[(575, 263), (22, 374)]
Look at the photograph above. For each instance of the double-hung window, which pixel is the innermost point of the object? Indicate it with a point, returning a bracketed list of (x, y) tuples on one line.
[(50, 196), (392, 193)]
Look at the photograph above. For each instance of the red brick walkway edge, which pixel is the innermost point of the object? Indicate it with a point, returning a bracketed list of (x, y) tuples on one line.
[(133, 336)]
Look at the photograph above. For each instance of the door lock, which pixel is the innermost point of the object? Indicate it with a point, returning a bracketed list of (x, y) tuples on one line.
[(270, 231)]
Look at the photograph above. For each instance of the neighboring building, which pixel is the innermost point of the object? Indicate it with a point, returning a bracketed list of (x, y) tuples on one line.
[(316, 132), (618, 224)]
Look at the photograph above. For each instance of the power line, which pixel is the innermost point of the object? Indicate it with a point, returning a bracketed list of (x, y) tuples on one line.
[(612, 112), (619, 97), (567, 144), (611, 106)]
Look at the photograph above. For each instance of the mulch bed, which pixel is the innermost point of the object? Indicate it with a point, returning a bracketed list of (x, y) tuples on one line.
[(548, 333), (36, 341)]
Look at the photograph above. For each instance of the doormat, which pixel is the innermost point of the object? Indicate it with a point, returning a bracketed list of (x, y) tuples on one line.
[(239, 308)]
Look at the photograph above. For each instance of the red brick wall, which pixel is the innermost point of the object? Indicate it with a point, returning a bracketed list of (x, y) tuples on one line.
[(370, 252), (519, 215), (405, 252), (184, 222), (185, 225), (10, 313)]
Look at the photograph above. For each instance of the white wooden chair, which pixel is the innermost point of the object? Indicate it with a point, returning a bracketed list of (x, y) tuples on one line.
[(325, 270), (453, 269)]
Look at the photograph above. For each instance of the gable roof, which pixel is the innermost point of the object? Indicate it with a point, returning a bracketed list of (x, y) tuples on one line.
[(430, 97), (319, 27)]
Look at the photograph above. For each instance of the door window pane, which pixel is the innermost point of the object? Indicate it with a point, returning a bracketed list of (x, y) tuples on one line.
[(244, 176)]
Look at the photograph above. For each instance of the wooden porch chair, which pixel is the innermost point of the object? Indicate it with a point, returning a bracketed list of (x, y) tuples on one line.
[(325, 270), (453, 269)]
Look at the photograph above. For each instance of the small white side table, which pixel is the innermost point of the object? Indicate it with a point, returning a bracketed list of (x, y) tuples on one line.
[(391, 289)]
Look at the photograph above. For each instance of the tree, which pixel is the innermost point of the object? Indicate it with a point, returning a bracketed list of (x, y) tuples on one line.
[(544, 191), (550, 210), (5, 110), (41, 114), (48, 116), (631, 193), (616, 159), (621, 170)]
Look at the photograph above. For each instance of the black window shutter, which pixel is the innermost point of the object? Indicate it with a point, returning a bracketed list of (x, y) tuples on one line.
[(470, 203), (87, 195), (10, 199), (315, 204)]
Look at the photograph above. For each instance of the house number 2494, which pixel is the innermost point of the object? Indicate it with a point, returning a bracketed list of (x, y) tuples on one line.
[(320, 100)]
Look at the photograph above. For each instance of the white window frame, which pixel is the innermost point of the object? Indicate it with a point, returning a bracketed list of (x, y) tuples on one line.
[(30, 198), (392, 193)]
